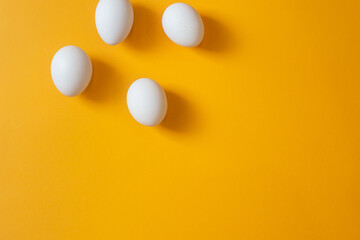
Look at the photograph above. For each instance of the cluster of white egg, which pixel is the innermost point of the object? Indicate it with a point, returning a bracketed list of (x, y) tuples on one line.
[(71, 67)]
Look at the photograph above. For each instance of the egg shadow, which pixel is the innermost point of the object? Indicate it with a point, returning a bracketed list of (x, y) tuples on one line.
[(104, 82), (217, 37), (144, 31), (180, 116)]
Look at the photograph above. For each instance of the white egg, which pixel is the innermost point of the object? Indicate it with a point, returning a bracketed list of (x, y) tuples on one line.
[(183, 25), (147, 102), (114, 20), (71, 70)]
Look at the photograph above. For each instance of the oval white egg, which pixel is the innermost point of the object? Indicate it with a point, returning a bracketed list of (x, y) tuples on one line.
[(183, 25), (114, 20), (146, 101), (71, 70)]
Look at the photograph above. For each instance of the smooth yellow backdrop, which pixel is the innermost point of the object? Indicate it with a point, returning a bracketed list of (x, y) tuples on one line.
[(261, 140)]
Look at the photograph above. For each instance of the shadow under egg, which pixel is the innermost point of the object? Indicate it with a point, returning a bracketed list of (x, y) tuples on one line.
[(104, 83), (180, 116), (217, 36)]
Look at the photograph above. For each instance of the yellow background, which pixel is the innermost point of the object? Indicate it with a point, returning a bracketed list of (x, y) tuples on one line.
[(261, 140)]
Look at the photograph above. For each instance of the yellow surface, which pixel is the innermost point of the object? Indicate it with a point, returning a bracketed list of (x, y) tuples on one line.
[(261, 140)]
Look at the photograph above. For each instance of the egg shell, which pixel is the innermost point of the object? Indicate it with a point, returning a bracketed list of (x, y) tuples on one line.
[(183, 25), (71, 70), (146, 101), (114, 20)]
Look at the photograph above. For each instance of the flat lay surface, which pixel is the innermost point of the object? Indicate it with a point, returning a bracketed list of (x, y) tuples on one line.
[(260, 141)]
